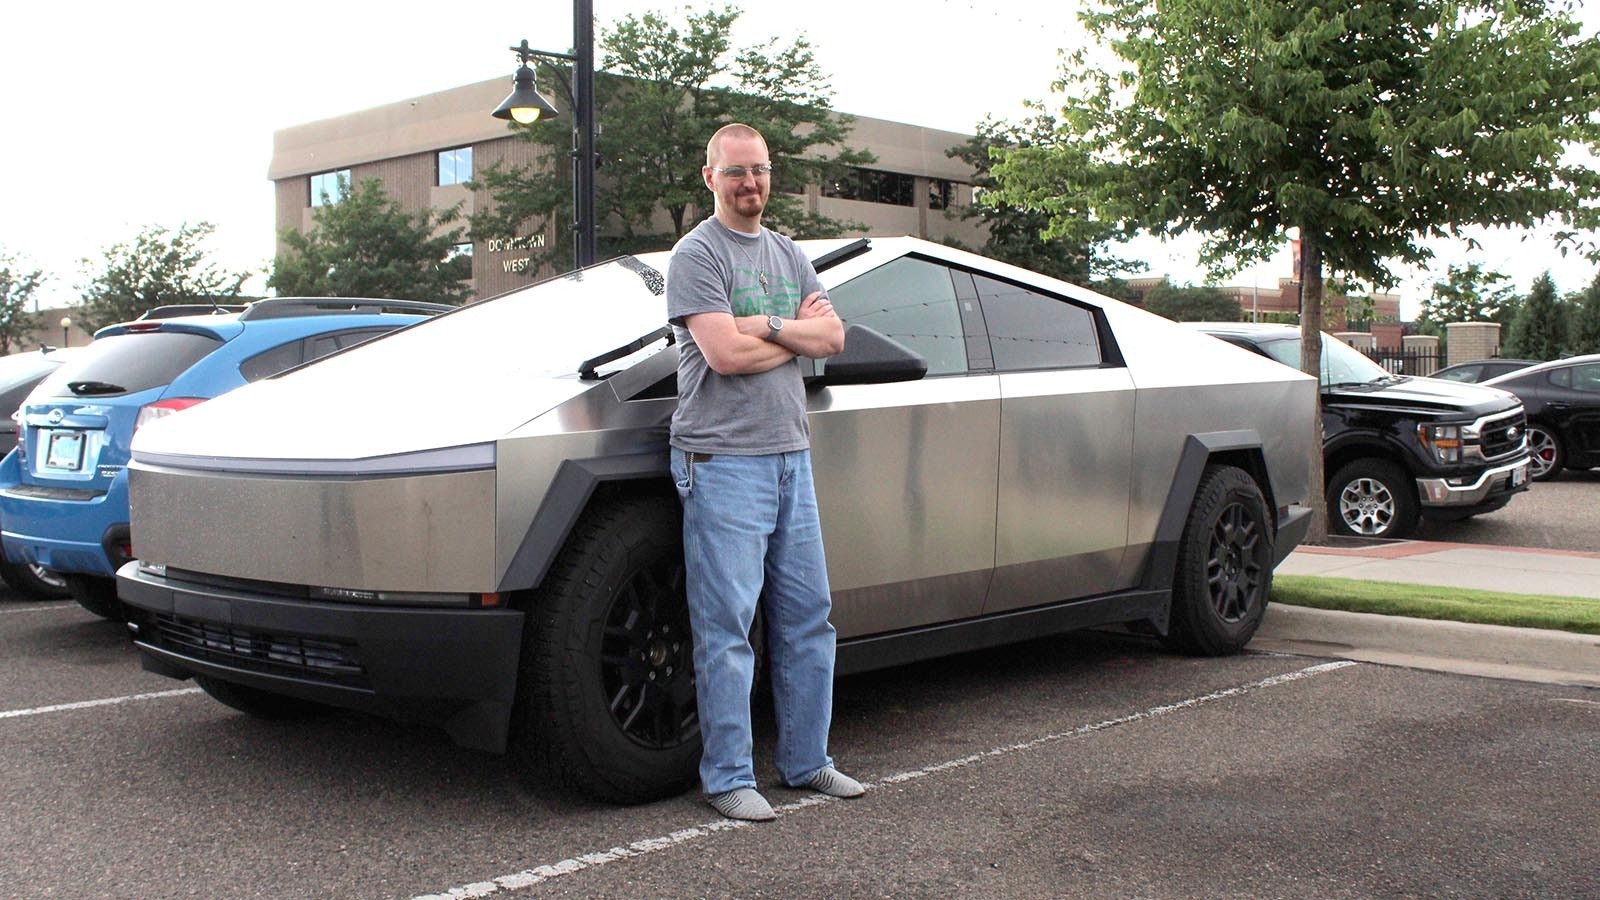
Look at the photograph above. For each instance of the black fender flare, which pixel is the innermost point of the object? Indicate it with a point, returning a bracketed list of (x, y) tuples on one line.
[(1198, 450), (575, 483)]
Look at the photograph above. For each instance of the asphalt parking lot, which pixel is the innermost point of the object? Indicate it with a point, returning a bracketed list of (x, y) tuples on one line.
[(1091, 765)]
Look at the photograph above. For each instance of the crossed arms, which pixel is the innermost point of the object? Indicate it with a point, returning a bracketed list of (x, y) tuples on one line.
[(738, 345)]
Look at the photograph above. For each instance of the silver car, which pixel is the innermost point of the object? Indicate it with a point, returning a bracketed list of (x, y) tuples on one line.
[(999, 455)]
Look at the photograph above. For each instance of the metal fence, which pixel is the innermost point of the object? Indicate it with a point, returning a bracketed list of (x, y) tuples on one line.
[(1406, 362)]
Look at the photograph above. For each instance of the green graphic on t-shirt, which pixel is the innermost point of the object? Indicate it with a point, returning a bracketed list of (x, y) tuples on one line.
[(781, 296)]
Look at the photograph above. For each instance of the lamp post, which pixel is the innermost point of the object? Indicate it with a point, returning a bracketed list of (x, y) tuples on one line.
[(526, 106), (66, 322)]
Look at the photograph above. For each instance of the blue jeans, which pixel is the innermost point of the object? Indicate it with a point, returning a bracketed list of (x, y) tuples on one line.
[(751, 534)]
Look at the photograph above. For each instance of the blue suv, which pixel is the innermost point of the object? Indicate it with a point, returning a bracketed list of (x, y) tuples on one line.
[(64, 488)]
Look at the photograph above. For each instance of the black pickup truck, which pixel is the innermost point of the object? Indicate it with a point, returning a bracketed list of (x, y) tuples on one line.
[(1396, 447)]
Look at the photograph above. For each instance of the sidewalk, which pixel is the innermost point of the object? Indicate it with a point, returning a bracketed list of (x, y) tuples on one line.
[(1523, 654)]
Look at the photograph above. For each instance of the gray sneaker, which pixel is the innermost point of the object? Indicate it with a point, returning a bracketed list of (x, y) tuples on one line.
[(835, 783), (745, 804)]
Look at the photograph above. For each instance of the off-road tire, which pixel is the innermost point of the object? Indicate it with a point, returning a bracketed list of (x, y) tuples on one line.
[(258, 703), (33, 582), (1389, 496), (1549, 456), (97, 595), (605, 695), (1224, 569)]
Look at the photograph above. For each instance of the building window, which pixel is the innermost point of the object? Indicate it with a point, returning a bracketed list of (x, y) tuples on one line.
[(454, 166), (330, 187), (941, 193), (873, 186), (459, 260)]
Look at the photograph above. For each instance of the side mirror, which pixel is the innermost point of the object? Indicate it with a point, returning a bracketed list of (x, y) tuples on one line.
[(870, 358)]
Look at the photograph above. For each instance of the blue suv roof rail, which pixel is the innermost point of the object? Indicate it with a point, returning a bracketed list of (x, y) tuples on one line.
[(174, 310), (286, 307)]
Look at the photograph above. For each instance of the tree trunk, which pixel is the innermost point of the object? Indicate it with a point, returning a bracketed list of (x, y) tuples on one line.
[(1311, 363)]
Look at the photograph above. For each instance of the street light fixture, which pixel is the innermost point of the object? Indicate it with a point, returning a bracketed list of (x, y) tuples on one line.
[(66, 322), (526, 106)]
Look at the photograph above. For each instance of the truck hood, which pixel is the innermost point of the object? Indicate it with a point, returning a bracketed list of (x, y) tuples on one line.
[(1445, 398), (462, 379)]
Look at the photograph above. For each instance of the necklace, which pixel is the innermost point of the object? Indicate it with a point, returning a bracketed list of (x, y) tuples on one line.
[(761, 272)]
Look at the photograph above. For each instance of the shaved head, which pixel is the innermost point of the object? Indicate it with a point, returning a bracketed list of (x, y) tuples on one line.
[(734, 130)]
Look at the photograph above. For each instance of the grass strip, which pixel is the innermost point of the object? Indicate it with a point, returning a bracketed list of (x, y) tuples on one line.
[(1422, 601)]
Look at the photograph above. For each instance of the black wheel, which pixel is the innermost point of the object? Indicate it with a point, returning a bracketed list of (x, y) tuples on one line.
[(606, 699), (256, 702), (34, 581), (1224, 574), (1547, 457), (1372, 498), (97, 595)]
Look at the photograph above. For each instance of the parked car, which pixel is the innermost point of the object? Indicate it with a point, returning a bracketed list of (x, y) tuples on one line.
[(513, 571), (19, 374), (64, 488), (1563, 403), (1397, 447), (1481, 370)]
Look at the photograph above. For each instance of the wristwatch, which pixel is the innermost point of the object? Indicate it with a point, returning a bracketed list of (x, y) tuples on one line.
[(774, 325)]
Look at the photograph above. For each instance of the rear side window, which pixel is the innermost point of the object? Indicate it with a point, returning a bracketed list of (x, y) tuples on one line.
[(129, 363), (1031, 330), (286, 356)]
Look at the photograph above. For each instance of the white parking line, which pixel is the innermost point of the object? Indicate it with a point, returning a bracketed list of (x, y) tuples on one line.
[(541, 874), (87, 704), (43, 607)]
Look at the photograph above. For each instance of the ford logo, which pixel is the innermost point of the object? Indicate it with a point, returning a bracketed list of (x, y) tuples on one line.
[(1511, 433), (56, 416)]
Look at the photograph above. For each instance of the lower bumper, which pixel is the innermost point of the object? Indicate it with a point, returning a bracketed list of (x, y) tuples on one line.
[(1507, 479), (449, 667), (1293, 524)]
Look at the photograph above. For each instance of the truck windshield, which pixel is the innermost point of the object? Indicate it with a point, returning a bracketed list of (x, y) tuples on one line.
[(1341, 363)]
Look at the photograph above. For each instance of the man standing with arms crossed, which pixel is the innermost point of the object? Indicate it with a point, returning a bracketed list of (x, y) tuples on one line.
[(745, 304)]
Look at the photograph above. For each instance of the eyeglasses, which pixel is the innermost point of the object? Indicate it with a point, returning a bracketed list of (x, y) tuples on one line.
[(738, 172)]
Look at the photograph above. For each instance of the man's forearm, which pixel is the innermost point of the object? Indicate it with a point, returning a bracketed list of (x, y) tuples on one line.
[(817, 337)]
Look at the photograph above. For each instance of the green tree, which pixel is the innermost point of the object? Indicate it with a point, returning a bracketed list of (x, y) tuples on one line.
[(1468, 293), (159, 267), (1584, 336), (1540, 329), (1367, 127), (17, 284), (663, 89), (368, 245), (1015, 233), (1191, 304)]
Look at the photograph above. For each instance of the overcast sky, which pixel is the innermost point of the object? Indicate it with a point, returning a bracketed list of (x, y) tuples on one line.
[(121, 115)]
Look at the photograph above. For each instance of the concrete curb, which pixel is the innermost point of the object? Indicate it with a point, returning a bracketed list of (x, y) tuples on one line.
[(1496, 651)]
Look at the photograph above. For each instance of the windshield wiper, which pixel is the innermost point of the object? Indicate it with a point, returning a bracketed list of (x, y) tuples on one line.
[(82, 388), (587, 370)]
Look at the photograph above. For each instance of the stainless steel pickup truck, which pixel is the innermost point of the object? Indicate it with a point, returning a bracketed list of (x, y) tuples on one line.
[(470, 521)]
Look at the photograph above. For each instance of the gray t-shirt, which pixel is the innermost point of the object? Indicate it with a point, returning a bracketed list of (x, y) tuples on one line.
[(716, 269)]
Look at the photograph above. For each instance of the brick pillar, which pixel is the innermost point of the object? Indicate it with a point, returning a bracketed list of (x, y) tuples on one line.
[(1424, 348), (1360, 340), (1468, 341)]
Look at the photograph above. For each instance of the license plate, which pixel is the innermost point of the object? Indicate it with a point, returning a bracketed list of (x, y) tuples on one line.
[(1519, 476), (65, 451)]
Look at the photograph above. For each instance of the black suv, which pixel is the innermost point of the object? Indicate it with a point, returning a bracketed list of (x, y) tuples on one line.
[(1394, 446)]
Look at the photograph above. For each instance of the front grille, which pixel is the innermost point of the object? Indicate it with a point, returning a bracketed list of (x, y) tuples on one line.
[(315, 659), (1504, 435)]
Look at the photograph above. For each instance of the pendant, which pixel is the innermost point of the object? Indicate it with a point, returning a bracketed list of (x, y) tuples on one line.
[(761, 279)]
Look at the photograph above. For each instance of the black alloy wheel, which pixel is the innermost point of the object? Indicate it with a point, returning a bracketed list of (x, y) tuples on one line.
[(647, 658), (1234, 571), (1223, 575)]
